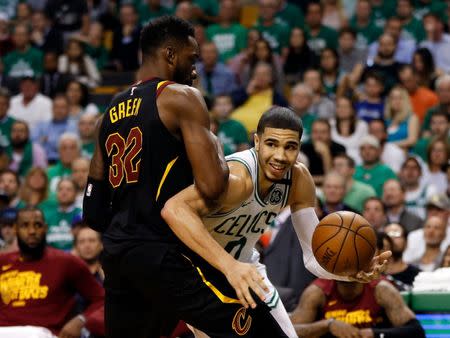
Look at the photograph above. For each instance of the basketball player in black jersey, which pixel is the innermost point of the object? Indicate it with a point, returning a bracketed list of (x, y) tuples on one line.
[(154, 141)]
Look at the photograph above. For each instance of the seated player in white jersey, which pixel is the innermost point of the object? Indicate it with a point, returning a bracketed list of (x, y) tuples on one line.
[(263, 180)]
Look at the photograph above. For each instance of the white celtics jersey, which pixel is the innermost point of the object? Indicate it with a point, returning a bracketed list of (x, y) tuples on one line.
[(238, 230)]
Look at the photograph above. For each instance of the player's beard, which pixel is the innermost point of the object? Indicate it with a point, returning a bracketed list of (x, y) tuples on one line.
[(33, 252), (180, 76)]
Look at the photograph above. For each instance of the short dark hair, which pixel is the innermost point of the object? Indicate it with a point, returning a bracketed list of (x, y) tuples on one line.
[(410, 2), (347, 30), (280, 118), (433, 15), (442, 111), (350, 161), (381, 236), (23, 123), (322, 121), (82, 225), (311, 4), (406, 66), (379, 121), (166, 28), (411, 159), (375, 76), (29, 208), (12, 172), (377, 199)]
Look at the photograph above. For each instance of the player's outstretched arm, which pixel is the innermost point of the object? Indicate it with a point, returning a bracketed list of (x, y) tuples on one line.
[(403, 320), (96, 201), (183, 214), (304, 220), (204, 152)]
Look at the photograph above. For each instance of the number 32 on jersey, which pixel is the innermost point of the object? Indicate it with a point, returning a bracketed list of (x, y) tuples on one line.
[(124, 155)]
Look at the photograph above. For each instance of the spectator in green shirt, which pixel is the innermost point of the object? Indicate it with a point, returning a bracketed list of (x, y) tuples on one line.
[(382, 10), (86, 130), (362, 23), (412, 27), (59, 218), (318, 35), (94, 46), (150, 10), (290, 14), (300, 102), (229, 36), (356, 192), (423, 7), (80, 172), (372, 171), (69, 150), (276, 32), (205, 11), (443, 93), (439, 127), (231, 133), (24, 60), (6, 121)]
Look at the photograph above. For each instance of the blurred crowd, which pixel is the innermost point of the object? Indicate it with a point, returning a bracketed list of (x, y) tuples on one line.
[(370, 80)]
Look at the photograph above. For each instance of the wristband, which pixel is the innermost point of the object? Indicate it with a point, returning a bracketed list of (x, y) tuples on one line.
[(330, 321), (82, 318)]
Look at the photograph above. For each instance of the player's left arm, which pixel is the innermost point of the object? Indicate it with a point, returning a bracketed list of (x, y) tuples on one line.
[(79, 279), (403, 320), (183, 214), (304, 219), (96, 201)]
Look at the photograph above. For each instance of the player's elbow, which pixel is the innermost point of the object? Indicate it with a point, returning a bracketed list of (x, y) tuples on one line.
[(212, 188), (167, 211), (170, 212)]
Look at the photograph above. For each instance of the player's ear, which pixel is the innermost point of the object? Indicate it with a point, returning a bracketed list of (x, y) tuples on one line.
[(170, 55), (256, 140)]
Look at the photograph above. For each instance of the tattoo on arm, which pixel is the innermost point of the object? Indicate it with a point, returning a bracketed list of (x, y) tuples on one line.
[(306, 312), (391, 300)]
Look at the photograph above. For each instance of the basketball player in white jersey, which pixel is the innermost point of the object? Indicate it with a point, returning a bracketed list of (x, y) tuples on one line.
[(263, 180)]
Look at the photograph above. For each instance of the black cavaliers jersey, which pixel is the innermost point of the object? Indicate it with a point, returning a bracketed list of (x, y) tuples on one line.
[(145, 165)]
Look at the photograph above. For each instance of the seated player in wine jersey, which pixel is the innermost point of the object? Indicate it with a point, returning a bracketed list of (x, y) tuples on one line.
[(263, 180), (39, 285), (331, 308)]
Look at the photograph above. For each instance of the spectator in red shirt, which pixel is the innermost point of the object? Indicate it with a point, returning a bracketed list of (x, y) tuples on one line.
[(39, 284)]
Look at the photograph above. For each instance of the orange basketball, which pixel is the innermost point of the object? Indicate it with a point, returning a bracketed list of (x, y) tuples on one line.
[(344, 243)]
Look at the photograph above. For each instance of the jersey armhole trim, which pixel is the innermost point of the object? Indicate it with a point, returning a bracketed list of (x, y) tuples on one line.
[(288, 190), (236, 159), (161, 85)]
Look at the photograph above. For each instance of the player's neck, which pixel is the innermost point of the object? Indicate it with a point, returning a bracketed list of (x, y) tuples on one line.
[(152, 69), (264, 185)]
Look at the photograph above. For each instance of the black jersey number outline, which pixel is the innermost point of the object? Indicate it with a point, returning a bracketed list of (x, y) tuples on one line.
[(122, 153)]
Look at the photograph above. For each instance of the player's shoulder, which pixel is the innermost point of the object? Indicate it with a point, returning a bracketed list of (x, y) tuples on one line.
[(7, 258), (182, 98), (180, 91), (300, 173)]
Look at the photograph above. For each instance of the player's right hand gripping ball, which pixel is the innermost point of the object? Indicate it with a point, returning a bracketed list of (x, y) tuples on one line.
[(344, 243)]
